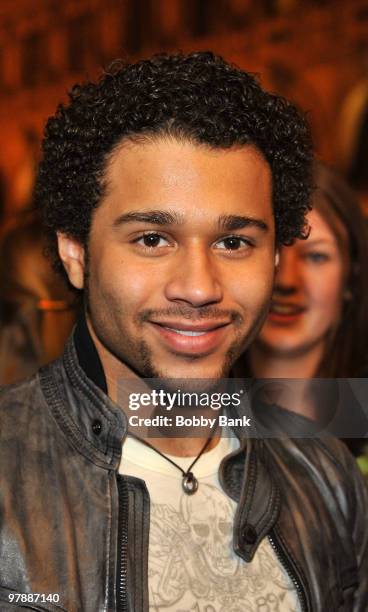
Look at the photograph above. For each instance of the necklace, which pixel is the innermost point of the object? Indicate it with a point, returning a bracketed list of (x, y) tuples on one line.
[(189, 482)]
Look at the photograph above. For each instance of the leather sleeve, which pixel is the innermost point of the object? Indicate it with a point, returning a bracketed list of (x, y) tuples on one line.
[(360, 536), (351, 493)]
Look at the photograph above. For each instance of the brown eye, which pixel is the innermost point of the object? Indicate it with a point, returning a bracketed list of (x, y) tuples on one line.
[(152, 244), (151, 240), (233, 243)]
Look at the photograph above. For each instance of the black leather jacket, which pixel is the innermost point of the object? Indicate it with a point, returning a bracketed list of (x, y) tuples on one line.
[(71, 528)]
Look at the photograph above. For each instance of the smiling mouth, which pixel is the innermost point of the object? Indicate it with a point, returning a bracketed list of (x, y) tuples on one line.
[(186, 332), (191, 338), (191, 329), (286, 309)]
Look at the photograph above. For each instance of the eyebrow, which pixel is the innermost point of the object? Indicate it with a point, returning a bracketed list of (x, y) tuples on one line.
[(156, 217), (314, 241), (172, 217), (233, 222)]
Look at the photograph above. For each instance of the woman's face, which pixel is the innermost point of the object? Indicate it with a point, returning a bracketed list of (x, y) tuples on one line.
[(308, 294)]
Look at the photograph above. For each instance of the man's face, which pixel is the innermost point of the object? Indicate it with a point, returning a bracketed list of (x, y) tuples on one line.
[(180, 257)]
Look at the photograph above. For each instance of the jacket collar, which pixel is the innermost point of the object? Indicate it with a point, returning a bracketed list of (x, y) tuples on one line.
[(94, 424), (87, 354)]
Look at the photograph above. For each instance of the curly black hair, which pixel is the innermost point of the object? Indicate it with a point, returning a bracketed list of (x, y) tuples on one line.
[(197, 97)]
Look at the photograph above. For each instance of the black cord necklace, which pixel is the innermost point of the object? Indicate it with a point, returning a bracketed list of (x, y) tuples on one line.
[(189, 482)]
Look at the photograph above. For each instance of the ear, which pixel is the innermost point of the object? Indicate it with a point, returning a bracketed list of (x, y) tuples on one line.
[(72, 255), (277, 257)]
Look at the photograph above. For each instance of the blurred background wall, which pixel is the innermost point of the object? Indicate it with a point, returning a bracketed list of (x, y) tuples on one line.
[(315, 53)]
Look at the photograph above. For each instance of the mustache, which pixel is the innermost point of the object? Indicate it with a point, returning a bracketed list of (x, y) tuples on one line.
[(192, 314)]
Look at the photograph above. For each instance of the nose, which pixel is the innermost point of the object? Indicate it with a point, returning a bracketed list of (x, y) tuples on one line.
[(194, 281), (287, 281)]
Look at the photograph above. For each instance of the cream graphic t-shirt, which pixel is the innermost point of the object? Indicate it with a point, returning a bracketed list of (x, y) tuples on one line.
[(192, 565)]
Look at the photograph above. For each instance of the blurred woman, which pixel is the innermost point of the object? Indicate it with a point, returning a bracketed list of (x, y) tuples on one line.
[(37, 309), (318, 321)]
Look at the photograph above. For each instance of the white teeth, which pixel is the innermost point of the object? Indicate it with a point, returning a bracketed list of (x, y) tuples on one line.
[(284, 309), (186, 332)]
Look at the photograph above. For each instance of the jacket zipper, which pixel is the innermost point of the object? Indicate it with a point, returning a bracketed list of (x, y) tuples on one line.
[(285, 562), (121, 587)]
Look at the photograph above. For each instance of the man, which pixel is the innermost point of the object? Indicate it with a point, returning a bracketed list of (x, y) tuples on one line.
[(166, 188)]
